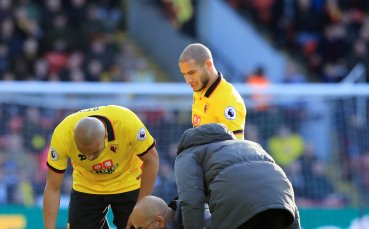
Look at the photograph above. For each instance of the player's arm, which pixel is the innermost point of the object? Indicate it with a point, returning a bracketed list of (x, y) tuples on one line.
[(143, 144), (191, 194), (150, 169), (232, 114), (51, 200)]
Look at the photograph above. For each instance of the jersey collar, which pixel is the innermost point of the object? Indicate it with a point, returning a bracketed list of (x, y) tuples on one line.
[(109, 126), (213, 86)]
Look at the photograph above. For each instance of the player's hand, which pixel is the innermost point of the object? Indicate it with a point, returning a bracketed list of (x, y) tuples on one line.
[(129, 223)]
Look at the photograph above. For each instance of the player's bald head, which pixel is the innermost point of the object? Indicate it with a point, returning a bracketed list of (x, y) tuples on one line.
[(197, 52), (148, 207), (88, 130)]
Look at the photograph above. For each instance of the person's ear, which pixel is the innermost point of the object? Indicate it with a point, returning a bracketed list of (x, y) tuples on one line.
[(160, 219), (209, 64)]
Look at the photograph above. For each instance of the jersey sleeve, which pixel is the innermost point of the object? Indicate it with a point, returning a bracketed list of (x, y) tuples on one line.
[(232, 113), (141, 139), (57, 158)]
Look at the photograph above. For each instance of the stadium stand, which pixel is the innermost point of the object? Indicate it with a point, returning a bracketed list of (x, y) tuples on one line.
[(327, 37), (69, 41)]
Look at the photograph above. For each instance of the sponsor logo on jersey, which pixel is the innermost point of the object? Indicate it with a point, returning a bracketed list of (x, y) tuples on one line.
[(82, 157), (105, 167), (196, 121), (230, 113), (141, 135), (53, 154)]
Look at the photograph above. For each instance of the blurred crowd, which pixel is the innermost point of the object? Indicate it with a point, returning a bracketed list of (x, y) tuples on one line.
[(80, 40), (328, 37), (25, 132), (76, 40), (181, 14)]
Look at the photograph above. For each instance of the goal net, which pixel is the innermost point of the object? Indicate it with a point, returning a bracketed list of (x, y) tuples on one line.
[(318, 133)]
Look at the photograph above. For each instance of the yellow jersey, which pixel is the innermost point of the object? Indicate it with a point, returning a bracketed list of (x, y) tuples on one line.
[(220, 103), (118, 167)]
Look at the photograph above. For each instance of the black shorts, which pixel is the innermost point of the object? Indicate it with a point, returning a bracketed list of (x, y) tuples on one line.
[(88, 211), (270, 219)]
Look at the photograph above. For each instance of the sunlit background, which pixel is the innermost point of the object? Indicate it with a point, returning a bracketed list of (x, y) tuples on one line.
[(310, 111)]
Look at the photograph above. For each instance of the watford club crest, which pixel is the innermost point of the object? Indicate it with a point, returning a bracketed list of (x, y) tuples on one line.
[(113, 148), (206, 108)]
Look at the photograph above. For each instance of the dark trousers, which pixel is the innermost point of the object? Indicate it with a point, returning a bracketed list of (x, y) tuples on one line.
[(88, 211), (270, 219)]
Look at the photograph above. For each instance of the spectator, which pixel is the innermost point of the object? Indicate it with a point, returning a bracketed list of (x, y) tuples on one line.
[(11, 179), (4, 58), (258, 80), (25, 192), (33, 134), (292, 75), (6, 7), (77, 13), (73, 68), (3, 185), (318, 189), (40, 68), (11, 37), (285, 146), (165, 182)]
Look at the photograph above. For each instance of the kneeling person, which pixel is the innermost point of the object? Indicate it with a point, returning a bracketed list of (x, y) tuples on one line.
[(153, 212)]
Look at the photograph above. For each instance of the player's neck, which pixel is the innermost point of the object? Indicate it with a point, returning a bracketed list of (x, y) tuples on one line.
[(212, 78), (169, 217)]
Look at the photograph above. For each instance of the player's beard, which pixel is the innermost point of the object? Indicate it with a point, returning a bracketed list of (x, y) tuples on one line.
[(204, 80)]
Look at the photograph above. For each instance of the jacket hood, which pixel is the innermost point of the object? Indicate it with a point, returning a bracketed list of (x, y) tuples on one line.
[(204, 134)]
